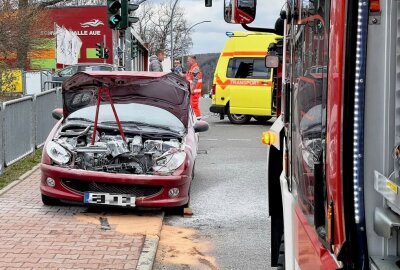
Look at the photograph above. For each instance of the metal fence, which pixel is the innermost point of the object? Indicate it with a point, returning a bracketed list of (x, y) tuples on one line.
[(1, 141), (45, 103), (35, 82), (18, 129), (25, 124)]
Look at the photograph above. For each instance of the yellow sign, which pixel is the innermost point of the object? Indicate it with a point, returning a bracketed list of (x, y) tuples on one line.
[(392, 186), (11, 81)]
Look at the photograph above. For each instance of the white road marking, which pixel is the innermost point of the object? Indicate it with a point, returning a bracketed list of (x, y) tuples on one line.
[(230, 125), (245, 140)]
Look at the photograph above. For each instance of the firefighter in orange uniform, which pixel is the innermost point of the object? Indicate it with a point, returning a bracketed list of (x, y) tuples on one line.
[(195, 77)]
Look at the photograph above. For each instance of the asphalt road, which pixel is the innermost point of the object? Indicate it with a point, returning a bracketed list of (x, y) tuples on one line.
[(229, 228)]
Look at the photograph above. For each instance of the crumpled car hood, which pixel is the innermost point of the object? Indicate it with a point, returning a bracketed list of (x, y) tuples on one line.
[(167, 91)]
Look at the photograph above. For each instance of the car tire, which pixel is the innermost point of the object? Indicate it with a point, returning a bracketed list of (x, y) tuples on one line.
[(50, 200), (239, 119), (177, 210), (262, 119), (281, 259)]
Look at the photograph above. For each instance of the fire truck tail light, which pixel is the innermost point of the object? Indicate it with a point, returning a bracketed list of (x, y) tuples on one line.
[(374, 6), (269, 138)]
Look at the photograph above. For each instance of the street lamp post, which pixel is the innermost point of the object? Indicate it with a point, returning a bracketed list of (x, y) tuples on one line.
[(187, 32), (172, 40)]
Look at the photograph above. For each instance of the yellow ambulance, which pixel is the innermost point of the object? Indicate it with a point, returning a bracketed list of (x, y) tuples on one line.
[(242, 86)]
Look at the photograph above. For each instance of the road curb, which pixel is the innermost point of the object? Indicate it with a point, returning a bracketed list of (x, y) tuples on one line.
[(149, 250), (19, 180)]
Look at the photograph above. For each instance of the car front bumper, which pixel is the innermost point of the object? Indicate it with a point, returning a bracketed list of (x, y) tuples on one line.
[(63, 191)]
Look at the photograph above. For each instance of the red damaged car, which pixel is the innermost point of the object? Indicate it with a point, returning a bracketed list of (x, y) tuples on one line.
[(124, 139)]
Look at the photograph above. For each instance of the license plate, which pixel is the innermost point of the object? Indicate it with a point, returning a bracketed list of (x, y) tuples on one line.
[(109, 199)]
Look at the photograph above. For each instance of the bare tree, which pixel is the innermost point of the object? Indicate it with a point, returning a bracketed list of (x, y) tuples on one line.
[(154, 28), (63, 3)]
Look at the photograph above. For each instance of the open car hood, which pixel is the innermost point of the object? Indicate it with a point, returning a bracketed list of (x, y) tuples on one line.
[(167, 91)]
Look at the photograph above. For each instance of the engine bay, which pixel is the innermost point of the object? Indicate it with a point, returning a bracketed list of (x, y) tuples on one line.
[(139, 154)]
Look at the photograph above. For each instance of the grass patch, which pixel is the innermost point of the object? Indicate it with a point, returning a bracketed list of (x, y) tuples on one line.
[(14, 171)]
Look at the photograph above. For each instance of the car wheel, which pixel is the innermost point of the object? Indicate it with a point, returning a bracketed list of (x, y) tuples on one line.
[(177, 210), (50, 200), (281, 259), (239, 119), (262, 119)]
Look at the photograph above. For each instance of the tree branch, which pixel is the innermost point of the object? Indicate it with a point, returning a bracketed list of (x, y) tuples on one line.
[(51, 3)]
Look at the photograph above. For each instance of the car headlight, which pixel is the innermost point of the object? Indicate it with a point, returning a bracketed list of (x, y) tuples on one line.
[(169, 161), (57, 153)]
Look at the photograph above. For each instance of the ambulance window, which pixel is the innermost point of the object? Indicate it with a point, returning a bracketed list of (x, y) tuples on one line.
[(259, 70), (247, 68)]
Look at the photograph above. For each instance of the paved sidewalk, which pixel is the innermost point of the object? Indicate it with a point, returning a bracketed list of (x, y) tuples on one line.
[(34, 236)]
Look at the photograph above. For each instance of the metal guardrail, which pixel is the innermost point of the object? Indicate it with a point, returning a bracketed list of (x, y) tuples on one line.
[(51, 85), (1, 141), (25, 124), (18, 129), (45, 102)]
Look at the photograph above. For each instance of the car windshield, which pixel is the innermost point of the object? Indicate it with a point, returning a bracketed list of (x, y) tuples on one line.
[(131, 113)]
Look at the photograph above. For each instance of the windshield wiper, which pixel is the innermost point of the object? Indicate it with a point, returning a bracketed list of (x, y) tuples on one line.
[(157, 126), (80, 119), (130, 123)]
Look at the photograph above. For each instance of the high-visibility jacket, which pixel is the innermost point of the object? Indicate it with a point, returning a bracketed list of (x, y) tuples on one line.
[(195, 77)]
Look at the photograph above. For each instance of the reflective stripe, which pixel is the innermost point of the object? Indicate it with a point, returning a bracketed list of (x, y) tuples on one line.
[(195, 78)]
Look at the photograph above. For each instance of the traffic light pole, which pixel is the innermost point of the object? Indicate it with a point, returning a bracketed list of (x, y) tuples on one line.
[(115, 45), (120, 18), (121, 45)]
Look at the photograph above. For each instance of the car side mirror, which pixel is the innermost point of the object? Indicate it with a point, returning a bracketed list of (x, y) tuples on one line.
[(271, 61), (200, 126), (57, 113)]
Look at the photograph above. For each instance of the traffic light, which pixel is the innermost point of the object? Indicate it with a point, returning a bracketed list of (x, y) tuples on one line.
[(106, 53), (99, 50), (126, 18), (134, 47), (113, 13)]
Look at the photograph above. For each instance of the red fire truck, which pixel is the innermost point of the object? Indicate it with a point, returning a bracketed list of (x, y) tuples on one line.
[(334, 159)]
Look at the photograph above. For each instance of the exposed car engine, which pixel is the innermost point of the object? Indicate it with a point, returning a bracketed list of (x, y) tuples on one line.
[(110, 153)]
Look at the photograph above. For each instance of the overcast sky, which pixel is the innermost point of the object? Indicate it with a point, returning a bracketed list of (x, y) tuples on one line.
[(210, 37)]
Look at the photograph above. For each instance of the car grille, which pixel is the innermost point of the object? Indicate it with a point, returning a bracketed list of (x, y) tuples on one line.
[(90, 186)]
